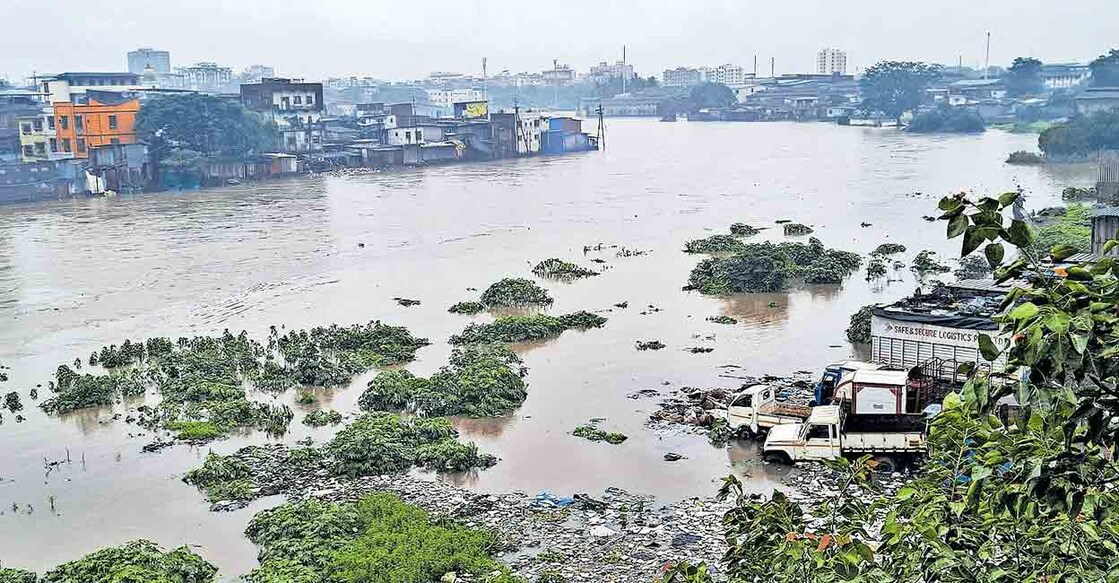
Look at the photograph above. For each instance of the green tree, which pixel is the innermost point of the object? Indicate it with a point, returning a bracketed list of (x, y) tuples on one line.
[(1024, 77), (205, 124), (709, 95), (1105, 69), (1025, 494), (1082, 136), (895, 87)]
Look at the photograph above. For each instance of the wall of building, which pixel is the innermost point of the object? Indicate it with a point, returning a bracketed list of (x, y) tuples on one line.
[(101, 124)]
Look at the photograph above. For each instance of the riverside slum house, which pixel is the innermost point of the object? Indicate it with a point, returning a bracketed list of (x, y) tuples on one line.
[(801, 97), (396, 134)]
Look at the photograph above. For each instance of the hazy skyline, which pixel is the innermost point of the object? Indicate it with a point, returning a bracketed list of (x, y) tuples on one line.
[(397, 39)]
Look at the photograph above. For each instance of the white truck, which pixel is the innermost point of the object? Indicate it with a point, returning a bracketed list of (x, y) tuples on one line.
[(829, 433), (756, 409)]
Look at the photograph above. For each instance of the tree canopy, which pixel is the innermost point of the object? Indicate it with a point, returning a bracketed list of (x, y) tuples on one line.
[(1081, 136), (1105, 69), (711, 95), (205, 124), (895, 87), (1024, 77)]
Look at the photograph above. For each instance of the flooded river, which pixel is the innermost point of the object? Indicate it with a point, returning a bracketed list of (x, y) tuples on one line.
[(75, 275)]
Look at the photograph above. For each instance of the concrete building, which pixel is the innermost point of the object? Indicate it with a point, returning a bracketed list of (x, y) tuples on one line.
[(417, 134), (60, 87), (605, 72), (558, 75), (15, 105), (1064, 75), (94, 118), (444, 100), (1096, 99), (144, 58), (681, 77), (38, 140), (206, 76), (729, 75), (831, 62), (296, 107)]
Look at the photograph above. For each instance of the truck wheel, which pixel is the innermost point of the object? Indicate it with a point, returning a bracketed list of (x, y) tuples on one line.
[(886, 464), (777, 457)]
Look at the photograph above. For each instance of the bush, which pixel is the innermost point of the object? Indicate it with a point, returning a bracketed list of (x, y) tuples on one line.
[(1074, 194), (479, 381), (560, 269), (743, 230), (135, 561), (379, 539), (858, 331), (1023, 157), (515, 292), (1081, 137), (194, 430), (467, 308), (713, 244), (947, 119), (75, 391), (797, 229), (768, 267), (508, 329), (452, 456), (322, 418)]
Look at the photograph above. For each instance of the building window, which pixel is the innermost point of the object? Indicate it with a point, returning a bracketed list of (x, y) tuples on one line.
[(50, 122), (54, 144), (112, 122), (408, 137), (298, 100), (28, 151), (64, 123), (419, 135), (79, 124), (25, 128), (81, 145), (38, 125), (310, 100), (40, 149), (65, 144)]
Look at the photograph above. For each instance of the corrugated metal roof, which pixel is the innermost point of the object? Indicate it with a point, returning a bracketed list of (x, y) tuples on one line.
[(1105, 211), (985, 285)]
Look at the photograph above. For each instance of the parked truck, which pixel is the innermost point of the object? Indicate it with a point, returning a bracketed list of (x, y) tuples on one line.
[(830, 433), (756, 409)]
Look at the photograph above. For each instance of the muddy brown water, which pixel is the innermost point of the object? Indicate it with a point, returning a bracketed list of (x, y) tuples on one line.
[(75, 275)]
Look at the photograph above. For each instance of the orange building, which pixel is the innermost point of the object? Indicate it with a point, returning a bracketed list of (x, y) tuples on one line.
[(95, 118)]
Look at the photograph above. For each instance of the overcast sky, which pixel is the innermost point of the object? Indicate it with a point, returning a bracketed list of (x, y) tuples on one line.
[(397, 39)]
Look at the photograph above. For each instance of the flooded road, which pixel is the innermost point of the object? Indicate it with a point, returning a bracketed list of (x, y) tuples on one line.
[(75, 275)]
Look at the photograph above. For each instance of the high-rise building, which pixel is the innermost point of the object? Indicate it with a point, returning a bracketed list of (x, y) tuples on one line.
[(157, 61), (831, 62)]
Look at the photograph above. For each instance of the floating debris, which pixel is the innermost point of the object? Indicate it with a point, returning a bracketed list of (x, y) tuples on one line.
[(722, 319), (407, 302), (650, 345)]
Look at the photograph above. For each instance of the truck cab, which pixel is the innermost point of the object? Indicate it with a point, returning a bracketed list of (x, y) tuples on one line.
[(834, 375), (816, 438), (830, 432)]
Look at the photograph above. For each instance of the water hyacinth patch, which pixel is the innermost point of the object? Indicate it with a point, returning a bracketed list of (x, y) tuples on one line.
[(508, 329), (768, 267), (322, 418), (714, 244), (797, 229), (139, 560), (469, 308), (886, 249), (743, 230), (515, 292), (591, 432), (562, 270)]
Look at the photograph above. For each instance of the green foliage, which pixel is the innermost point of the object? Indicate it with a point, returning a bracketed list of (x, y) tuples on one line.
[(378, 539), (479, 381), (306, 398), (451, 456), (1082, 136), (714, 244), (1024, 77), (222, 478), (1105, 69), (332, 355), (322, 418), (135, 562), (467, 308), (767, 267), (206, 124), (947, 120), (722, 320), (12, 402), (17, 576), (894, 87), (194, 430), (515, 292), (858, 330), (973, 267), (507, 329), (887, 249), (797, 229), (1075, 194), (75, 391), (562, 270), (926, 263), (710, 95), (550, 576), (383, 443), (590, 432), (1024, 158), (1070, 230), (743, 230)]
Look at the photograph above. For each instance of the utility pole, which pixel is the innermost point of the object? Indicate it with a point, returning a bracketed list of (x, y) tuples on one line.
[(755, 65), (773, 67), (623, 68), (555, 84), (987, 61), (601, 128)]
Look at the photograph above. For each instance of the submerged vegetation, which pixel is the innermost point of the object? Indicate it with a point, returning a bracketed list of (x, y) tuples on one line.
[(1070, 229), (562, 270), (134, 561), (1025, 158), (479, 381), (743, 230), (768, 267), (591, 432), (797, 229), (203, 380), (714, 244), (322, 418), (378, 539), (468, 308), (508, 329), (926, 263), (858, 330), (514, 292)]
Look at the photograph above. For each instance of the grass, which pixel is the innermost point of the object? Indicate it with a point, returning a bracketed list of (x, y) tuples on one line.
[(195, 430)]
